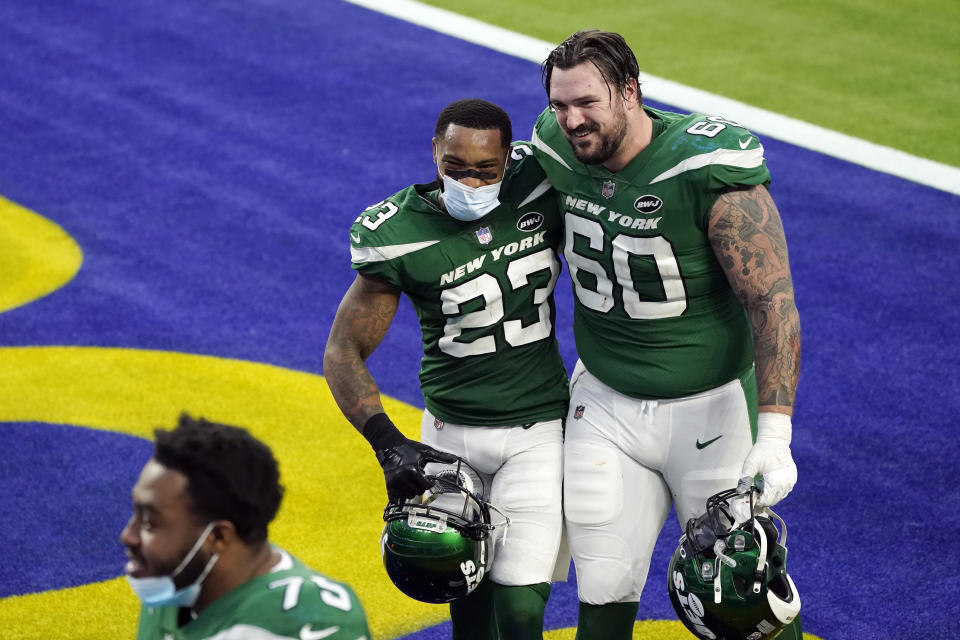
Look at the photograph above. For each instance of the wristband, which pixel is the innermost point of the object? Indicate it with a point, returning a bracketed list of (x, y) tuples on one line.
[(381, 433), (773, 424)]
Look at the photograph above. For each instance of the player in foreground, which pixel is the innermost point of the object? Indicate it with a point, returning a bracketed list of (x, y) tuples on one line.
[(475, 252), (685, 321), (199, 558)]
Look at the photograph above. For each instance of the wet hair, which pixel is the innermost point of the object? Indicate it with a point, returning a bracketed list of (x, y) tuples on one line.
[(230, 474), (475, 113), (606, 50)]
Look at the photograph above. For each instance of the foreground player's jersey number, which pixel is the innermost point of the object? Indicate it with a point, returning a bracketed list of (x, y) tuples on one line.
[(622, 248), (331, 593), (487, 287)]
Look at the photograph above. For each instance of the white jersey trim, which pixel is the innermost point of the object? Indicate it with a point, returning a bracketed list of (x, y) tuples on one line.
[(538, 191), (547, 149), (247, 632), (285, 562), (748, 159), (361, 255)]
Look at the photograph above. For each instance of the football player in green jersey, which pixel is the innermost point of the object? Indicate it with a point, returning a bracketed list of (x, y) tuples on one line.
[(685, 321), (475, 251), (199, 558)]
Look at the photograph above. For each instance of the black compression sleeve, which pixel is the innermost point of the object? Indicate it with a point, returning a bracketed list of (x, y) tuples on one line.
[(381, 433)]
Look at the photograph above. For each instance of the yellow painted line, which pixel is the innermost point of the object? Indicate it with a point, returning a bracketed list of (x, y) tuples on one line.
[(36, 256), (331, 513), (330, 516)]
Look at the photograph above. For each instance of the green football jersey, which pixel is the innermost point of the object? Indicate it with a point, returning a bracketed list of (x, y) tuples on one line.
[(483, 292), (291, 601), (655, 316)]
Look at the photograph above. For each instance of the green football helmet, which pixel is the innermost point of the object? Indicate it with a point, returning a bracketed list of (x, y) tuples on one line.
[(728, 577), (437, 547)]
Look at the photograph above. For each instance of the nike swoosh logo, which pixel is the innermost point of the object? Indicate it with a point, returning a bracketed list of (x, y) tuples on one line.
[(701, 445), (356, 238), (743, 145), (306, 633)]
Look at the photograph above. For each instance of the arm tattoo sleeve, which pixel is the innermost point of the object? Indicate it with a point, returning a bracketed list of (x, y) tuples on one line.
[(360, 325), (747, 236)]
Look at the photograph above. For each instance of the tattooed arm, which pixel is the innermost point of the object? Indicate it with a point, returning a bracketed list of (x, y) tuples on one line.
[(362, 320), (747, 237)]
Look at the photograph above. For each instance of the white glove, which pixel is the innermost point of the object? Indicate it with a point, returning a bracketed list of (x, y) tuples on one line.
[(770, 457)]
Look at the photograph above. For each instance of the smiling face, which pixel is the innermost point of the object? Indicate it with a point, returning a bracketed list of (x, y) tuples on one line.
[(162, 529), (473, 157), (593, 116)]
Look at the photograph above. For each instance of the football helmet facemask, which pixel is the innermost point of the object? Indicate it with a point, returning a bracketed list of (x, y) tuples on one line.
[(438, 546), (728, 579)]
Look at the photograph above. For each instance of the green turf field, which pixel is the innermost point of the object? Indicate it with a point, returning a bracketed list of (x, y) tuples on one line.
[(888, 72)]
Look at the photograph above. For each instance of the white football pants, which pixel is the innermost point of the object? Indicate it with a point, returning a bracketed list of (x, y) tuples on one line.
[(626, 460), (521, 470)]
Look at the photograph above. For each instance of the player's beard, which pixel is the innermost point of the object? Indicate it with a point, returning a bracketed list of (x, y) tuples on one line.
[(609, 142)]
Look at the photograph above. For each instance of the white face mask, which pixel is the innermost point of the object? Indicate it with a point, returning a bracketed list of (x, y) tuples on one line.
[(469, 203), (160, 591)]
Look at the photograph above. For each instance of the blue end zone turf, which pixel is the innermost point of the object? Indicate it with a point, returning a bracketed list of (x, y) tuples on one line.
[(62, 504)]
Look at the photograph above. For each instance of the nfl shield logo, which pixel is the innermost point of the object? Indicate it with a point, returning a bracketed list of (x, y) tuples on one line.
[(607, 188), (484, 235), (578, 412), (437, 424)]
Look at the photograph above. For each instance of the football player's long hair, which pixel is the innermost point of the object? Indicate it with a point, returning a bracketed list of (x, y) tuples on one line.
[(230, 474), (606, 50)]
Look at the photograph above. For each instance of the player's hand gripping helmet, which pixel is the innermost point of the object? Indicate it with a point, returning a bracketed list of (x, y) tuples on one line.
[(728, 578), (437, 547)]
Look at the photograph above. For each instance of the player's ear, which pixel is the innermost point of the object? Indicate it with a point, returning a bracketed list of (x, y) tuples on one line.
[(630, 93), (223, 535), (434, 142)]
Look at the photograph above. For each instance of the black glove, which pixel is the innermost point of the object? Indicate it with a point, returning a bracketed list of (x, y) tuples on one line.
[(402, 459)]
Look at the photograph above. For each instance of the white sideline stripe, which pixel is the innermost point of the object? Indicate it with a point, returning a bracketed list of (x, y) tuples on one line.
[(797, 132)]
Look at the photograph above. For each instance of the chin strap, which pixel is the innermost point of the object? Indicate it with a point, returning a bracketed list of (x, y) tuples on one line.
[(505, 524), (759, 572), (783, 527), (739, 512), (722, 559)]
